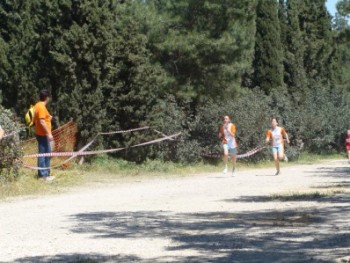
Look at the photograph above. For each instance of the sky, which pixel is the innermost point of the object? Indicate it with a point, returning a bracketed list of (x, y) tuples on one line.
[(331, 6)]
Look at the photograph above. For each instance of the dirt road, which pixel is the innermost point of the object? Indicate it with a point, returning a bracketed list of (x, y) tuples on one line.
[(302, 215)]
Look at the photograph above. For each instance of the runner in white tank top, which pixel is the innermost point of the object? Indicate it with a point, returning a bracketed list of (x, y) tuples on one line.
[(227, 133), (276, 134)]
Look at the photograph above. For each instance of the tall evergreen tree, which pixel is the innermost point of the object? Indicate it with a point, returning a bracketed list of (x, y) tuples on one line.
[(268, 54), (315, 25), (341, 28), (18, 71), (204, 45), (294, 55)]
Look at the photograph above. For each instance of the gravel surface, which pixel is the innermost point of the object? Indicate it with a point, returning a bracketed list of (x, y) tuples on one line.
[(302, 215)]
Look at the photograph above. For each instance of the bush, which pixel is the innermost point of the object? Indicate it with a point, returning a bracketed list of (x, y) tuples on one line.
[(10, 150), (324, 119), (250, 113)]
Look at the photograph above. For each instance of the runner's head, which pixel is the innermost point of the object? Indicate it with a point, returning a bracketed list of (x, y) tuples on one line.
[(274, 122), (226, 119)]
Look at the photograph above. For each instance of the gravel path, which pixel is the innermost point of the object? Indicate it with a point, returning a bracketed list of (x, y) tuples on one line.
[(196, 218)]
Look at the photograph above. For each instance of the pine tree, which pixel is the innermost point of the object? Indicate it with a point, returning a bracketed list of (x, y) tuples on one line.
[(204, 45), (315, 25), (341, 29), (294, 57), (268, 60), (18, 71)]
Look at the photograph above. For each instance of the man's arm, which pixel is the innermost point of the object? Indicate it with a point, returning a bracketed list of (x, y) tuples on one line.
[(43, 124)]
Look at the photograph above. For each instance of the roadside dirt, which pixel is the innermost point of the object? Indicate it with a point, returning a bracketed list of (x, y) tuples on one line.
[(302, 215)]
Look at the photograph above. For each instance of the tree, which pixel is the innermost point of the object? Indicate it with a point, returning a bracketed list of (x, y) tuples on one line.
[(315, 25), (267, 64), (294, 52), (18, 37), (204, 45)]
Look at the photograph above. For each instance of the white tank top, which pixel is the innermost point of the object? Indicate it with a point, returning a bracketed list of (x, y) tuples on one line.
[(277, 136)]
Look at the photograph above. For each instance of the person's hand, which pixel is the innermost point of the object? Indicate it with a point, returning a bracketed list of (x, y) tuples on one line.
[(50, 137)]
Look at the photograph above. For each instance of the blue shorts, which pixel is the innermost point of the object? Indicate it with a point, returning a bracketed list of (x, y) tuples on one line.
[(231, 151), (277, 149)]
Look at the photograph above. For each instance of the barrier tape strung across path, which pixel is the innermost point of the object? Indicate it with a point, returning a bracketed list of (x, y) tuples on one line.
[(83, 152), (124, 131), (62, 154), (251, 152), (239, 156)]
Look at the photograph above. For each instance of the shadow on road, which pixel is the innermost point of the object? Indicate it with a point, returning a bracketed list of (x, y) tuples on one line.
[(318, 234), (80, 258), (338, 172), (277, 236)]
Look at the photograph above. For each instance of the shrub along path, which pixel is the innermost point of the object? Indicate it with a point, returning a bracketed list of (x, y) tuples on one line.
[(302, 215)]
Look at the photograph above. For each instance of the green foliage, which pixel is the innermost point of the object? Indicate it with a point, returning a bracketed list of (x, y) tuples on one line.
[(315, 25), (295, 75), (343, 7), (250, 113), (267, 64), (10, 148), (205, 46), (180, 65), (325, 118), (19, 67)]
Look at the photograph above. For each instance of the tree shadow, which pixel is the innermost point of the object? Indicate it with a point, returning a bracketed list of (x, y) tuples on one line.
[(316, 234), (311, 196), (332, 185), (268, 236), (337, 172), (80, 258)]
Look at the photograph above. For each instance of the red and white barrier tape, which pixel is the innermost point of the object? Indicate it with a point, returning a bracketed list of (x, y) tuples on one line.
[(239, 156), (124, 131), (251, 152), (82, 152)]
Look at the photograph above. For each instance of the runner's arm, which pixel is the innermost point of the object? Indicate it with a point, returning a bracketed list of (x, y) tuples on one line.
[(2, 132), (267, 139), (287, 138)]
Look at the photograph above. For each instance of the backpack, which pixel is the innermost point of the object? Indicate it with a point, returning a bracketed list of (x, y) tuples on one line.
[(29, 116)]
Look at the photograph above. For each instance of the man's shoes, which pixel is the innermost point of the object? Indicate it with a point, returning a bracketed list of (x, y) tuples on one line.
[(225, 170), (48, 178), (278, 173)]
